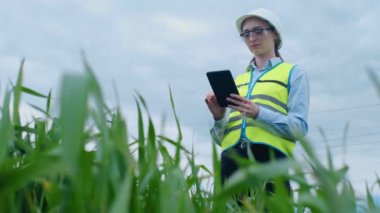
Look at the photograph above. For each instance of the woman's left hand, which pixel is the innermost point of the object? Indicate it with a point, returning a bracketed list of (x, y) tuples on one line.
[(243, 105)]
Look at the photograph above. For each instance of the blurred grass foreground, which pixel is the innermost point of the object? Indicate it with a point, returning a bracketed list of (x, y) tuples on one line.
[(44, 166)]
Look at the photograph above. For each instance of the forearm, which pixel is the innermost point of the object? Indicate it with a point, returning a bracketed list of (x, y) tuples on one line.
[(218, 130), (291, 126)]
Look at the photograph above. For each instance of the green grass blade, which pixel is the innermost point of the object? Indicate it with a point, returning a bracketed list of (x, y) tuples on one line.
[(119, 134), (152, 150), (370, 202), (141, 139), (17, 95), (74, 94), (46, 113), (32, 92), (173, 197), (179, 138), (345, 134), (204, 168), (377, 181), (174, 143), (348, 196), (375, 79), (6, 129), (216, 169), (48, 101), (44, 165), (40, 135), (142, 101), (253, 175), (194, 182), (168, 161), (124, 196), (314, 203), (220, 203)]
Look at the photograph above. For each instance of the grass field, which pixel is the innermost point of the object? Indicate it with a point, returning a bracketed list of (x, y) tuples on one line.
[(44, 166)]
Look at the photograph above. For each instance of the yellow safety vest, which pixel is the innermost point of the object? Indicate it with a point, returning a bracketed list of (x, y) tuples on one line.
[(269, 91)]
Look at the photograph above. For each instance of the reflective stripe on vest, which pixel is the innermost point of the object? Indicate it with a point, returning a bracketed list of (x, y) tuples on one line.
[(269, 91)]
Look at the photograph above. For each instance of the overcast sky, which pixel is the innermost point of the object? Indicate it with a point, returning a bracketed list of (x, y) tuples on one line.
[(147, 45)]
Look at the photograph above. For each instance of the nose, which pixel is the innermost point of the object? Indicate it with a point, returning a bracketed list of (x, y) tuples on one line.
[(251, 37)]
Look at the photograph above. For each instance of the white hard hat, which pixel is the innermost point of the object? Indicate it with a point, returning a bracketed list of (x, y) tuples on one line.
[(264, 14)]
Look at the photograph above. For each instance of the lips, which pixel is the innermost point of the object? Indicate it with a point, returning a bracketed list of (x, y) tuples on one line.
[(254, 46)]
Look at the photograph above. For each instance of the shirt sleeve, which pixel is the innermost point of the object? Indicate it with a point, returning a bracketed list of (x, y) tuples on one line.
[(294, 124), (218, 130)]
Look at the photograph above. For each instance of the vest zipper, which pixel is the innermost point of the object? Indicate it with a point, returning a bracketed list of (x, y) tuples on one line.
[(243, 137)]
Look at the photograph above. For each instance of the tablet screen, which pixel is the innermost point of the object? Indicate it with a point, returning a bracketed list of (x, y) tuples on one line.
[(223, 84)]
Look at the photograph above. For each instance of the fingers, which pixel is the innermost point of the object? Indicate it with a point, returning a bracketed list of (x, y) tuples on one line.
[(236, 96), (211, 99), (212, 104), (243, 105), (208, 97), (237, 100), (242, 108), (238, 105), (245, 109)]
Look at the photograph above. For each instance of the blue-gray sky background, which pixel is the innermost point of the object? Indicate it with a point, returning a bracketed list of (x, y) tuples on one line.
[(147, 45)]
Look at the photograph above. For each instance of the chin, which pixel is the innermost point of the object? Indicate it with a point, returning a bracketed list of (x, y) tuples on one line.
[(256, 52)]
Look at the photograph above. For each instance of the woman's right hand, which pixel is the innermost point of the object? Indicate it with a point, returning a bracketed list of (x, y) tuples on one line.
[(216, 110)]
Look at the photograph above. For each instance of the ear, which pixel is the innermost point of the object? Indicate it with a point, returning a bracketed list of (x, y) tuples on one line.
[(276, 36)]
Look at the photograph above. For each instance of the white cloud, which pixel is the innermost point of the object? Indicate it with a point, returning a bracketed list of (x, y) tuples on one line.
[(154, 48), (99, 7), (60, 31), (177, 27)]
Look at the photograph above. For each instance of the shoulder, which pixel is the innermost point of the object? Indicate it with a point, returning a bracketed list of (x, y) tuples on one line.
[(297, 72), (298, 78)]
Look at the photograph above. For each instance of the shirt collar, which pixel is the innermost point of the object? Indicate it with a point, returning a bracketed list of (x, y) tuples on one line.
[(270, 63)]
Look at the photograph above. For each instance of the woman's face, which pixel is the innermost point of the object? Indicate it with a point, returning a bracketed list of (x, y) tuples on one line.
[(258, 36)]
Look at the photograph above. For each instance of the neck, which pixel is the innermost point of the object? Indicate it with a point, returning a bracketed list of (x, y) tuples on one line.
[(261, 60)]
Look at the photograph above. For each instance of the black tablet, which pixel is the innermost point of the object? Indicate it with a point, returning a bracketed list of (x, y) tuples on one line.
[(223, 84)]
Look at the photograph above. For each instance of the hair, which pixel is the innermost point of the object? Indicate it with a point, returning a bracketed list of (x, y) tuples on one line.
[(277, 44), (276, 41)]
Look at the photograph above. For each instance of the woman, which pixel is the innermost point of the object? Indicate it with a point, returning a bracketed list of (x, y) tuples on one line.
[(271, 111)]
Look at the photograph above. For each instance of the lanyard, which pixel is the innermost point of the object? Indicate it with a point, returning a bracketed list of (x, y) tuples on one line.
[(243, 136)]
